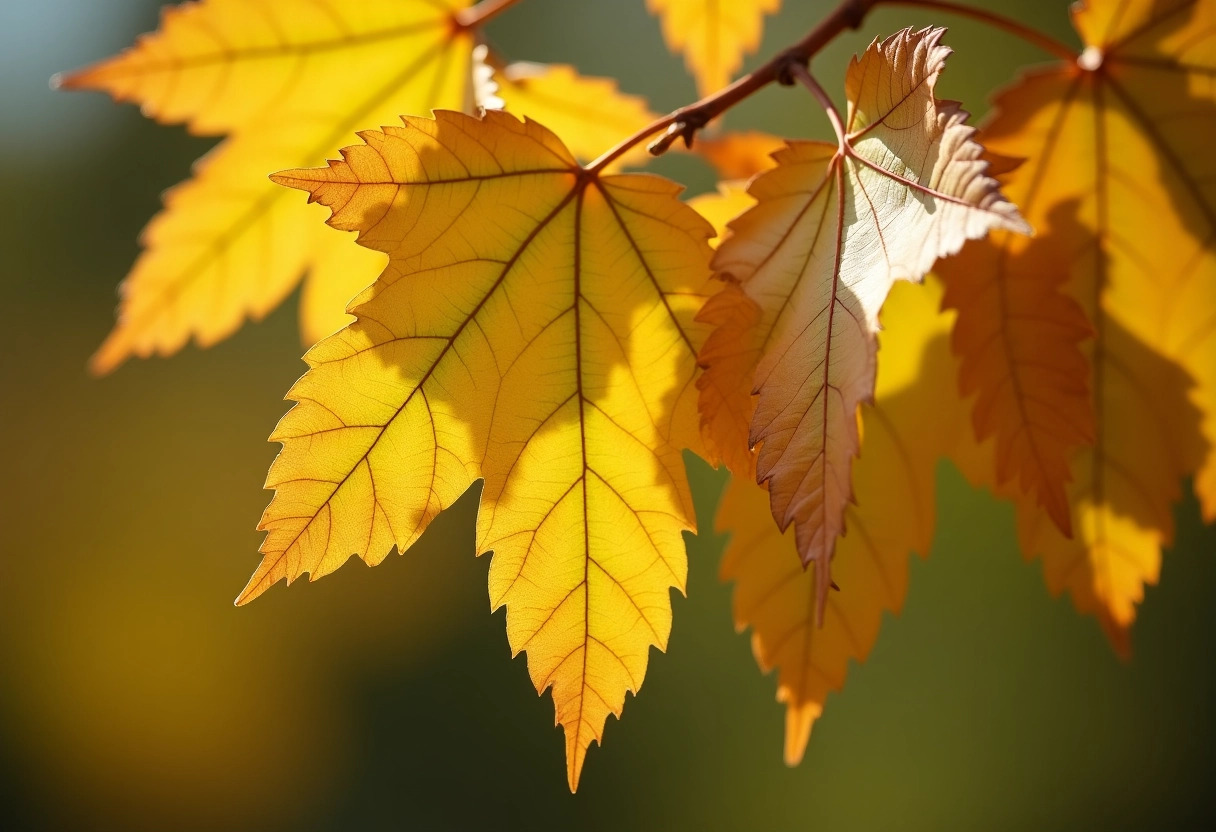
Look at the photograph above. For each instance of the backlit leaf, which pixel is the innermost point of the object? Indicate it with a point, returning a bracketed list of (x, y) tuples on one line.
[(1019, 343), (1121, 182), (913, 422), (833, 229), (533, 329), (590, 114), (288, 81), (739, 154), (714, 35)]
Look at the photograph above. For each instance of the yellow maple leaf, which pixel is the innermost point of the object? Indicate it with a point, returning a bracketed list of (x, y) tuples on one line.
[(1121, 182), (713, 34), (288, 81), (591, 114), (534, 329), (913, 423), (834, 227)]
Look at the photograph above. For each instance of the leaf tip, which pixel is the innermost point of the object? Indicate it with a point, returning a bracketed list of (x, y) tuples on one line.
[(109, 356), (76, 79), (260, 581), (799, 719), (574, 767), (294, 178)]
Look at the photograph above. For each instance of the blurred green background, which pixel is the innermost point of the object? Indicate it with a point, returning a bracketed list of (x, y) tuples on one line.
[(134, 696)]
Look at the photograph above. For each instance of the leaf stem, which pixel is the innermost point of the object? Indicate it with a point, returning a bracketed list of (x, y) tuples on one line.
[(686, 121), (999, 21), (803, 75), (482, 13)]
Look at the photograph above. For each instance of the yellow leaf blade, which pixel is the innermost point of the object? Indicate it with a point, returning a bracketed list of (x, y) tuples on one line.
[(1119, 170), (713, 35), (339, 273), (590, 114), (574, 414), (277, 77), (832, 230)]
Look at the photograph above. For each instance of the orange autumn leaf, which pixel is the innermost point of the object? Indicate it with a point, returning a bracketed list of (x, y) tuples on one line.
[(1018, 339), (288, 82), (912, 424), (1121, 182), (713, 35), (732, 315), (534, 329), (739, 154), (834, 228)]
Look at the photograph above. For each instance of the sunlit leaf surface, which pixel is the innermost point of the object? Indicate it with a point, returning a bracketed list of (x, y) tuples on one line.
[(1120, 182), (833, 229), (714, 35), (533, 329), (913, 423)]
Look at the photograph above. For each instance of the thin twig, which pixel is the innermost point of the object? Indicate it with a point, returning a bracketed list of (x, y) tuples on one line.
[(802, 74), (686, 121), (1029, 34)]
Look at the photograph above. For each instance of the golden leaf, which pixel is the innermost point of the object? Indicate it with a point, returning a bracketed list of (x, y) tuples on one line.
[(592, 114), (289, 81), (739, 154), (912, 424), (833, 229), (714, 35), (1018, 339), (533, 329), (1122, 183)]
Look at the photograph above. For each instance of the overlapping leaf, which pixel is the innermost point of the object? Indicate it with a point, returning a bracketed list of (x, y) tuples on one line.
[(533, 329), (714, 35), (834, 227), (913, 423), (1019, 343), (739, 155), (1121, 181), (591, 114), (288, 81)]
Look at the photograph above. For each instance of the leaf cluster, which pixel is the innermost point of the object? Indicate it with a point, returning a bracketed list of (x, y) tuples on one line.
[(526, 315)]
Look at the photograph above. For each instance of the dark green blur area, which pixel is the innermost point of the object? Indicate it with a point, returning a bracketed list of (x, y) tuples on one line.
[(134, 696)]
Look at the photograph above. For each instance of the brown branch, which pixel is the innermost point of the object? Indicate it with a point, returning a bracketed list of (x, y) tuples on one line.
[(686, 121), (1007, 24)]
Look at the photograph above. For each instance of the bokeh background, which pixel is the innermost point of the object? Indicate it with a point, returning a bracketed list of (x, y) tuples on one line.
[(134, 696)]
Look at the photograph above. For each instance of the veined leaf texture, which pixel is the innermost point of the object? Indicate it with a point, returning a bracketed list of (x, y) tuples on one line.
[(288, 82), (833, 228), (1093, 346), (562, 332), (558, 368)]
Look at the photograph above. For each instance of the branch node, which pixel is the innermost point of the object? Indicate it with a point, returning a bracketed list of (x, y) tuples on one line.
[(685, 127), (855, 12), (785, 63)]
